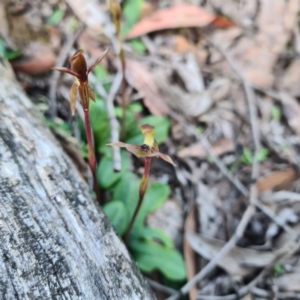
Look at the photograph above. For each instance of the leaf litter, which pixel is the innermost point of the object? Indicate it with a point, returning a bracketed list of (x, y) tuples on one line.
[(178, 71)]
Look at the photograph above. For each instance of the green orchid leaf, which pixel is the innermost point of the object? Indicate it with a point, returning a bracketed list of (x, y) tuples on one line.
[(156, 194), (152, 234), (117, 214), (150, 256), (105, 174)]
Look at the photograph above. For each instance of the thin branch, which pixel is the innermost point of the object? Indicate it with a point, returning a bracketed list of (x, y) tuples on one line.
[(113, 122), (160, 287)]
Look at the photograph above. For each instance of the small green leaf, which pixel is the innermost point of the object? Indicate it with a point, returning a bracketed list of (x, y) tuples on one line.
[(151, 256), (262, 154), (99, 122), (277, 270), (117, 214), (276, 112), (127, 190), (135, 107), (84, 150), (156, 194), (56, 17), (131, 11), (138, 46), (101, 73), (152, 233), (105, 174), (247, 156)]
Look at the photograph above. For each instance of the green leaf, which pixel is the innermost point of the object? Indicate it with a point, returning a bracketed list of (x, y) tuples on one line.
[(99, 122), (84, 150), (127, 191), (262, 154), (131, 11), (135, 107), (56, 17), (247, 156), (277, 270), (276, 112), (117, 214), (151, 256), (105, 174), (156, 194), (101, 73), (152, 233), (138, 46)]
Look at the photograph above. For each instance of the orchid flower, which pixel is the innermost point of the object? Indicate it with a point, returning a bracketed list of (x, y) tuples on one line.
[(80, 71), (148, 149)]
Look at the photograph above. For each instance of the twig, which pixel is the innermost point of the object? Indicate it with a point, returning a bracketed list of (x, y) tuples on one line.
[(160, 287), (113, 123), (62, 57), (240, 187), (252, 195), (289, 248)]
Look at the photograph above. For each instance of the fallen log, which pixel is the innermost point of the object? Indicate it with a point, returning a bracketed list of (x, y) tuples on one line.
[(55, 243)]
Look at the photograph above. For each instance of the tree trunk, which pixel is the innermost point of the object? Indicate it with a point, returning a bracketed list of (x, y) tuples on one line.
[(55, 243)]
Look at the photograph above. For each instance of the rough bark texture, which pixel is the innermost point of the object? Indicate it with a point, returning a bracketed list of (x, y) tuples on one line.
[(55, 243)]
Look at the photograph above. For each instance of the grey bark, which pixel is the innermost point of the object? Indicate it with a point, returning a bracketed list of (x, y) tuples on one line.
[(55, 243)]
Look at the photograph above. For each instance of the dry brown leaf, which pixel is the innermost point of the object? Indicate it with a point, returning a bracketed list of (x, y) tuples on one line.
[(183, 15), (219, 147), (255, 55), (290, 80), (140, 77), (291, 110), (239, 262), (183, 45), (189, 254), (275, 180)]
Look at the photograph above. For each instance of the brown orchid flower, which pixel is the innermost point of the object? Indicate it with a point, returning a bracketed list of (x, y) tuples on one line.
[(80, 71), (148, 150)]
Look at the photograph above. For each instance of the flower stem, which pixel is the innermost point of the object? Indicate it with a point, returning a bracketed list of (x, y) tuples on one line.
[(143, 188), (91, 153)]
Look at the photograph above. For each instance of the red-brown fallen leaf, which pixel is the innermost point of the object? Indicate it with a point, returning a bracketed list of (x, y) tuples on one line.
[(275, 180), (218, 148), (222, 22), (36, 65), (142, 80), (42, 60), (182, 15)]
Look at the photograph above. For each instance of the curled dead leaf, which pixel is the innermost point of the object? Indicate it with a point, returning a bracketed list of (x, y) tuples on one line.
[(140, 77)]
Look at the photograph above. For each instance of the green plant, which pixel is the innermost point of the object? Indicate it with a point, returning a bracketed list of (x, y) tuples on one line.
[(80, 71), (247, 156), (8, 53), (147, 150), (277, 269)]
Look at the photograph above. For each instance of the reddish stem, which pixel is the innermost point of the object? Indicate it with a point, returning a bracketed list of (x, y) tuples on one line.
[(143, 188), (91, 153), (123, 89)]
